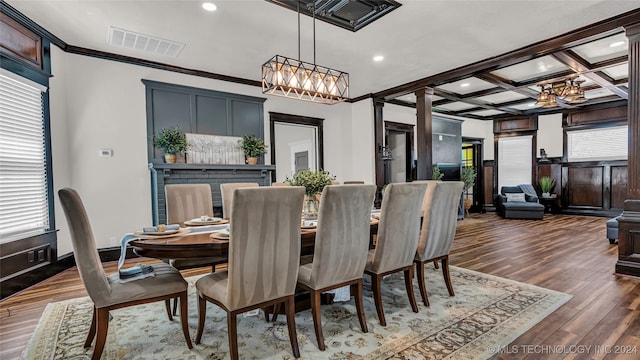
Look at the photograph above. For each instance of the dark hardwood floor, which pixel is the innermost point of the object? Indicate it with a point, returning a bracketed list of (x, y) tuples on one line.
[(564, 253)]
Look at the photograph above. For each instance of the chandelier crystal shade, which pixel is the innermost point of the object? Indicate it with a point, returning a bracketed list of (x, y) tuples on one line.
[(287, 77), (568, 89)]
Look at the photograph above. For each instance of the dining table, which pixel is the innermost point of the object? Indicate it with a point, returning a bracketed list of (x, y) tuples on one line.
[(199, 244)]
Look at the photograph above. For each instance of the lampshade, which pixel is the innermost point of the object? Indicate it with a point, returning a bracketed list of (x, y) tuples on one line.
[(568, 89)]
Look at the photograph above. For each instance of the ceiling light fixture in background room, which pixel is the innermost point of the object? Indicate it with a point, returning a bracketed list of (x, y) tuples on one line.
[(567, 89), (209, 6), (294, 78)]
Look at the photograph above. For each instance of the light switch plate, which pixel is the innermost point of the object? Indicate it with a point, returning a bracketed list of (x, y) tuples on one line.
[(105, 153)]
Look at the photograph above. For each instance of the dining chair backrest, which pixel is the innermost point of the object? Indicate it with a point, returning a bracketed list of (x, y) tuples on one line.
[(428, 193), (399, 227), (354, 182), (439, 219), (264, 246), (187, 201), (84, 248), (280, 184), (226, 193), (342, 235)]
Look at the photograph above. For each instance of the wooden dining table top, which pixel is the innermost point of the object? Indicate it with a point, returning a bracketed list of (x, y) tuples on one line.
[(201, 244)]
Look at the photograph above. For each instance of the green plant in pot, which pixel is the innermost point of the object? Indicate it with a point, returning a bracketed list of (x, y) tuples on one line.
[(546, 185), (172, 140), (313, 182), (252, 147), (468, 177), (436, 174)]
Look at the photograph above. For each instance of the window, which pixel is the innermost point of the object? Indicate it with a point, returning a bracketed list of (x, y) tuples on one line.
[(24, 207), (514, 160), (611, 143)]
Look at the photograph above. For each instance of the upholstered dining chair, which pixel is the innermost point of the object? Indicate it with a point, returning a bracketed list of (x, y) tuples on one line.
[(264, 255), (185, 202), (341, 248), (226, 192), (280, 184), (108, 292), (398, 233), (442, 199)]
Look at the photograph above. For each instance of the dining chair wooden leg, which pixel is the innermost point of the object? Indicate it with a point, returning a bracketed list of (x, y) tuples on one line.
[(317, 322), (408, 283), (421, 281), (232, 329), (435, 264), (202, 313), (102, 324), (175, 307), (447, 276), (167, 305), (184, 319), (276, 312), (377, 297), (290, 309), (92, 329), (360, 306)]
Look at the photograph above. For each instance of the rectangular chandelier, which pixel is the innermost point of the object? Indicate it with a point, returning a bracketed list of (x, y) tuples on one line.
[(292, 78)]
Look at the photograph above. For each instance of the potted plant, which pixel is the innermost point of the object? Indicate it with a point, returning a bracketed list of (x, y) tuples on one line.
[(313, 182), (468, 177), (546, 184), (436, 174), (172, 141), (252, 147)]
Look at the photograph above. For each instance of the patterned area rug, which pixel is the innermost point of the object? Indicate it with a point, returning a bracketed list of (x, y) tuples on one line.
[(487, 312)]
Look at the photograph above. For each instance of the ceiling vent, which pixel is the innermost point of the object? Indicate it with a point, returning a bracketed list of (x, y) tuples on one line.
[(142, 42)]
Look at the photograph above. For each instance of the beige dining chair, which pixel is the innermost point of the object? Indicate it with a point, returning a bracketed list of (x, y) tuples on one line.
[(108, 292), (398, 233), (185, 202), (226, 192), (280, 184), (442, 199), (341, 248), (264, 255)]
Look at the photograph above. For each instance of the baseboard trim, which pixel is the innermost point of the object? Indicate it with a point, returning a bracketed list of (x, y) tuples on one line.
[(21, 282)]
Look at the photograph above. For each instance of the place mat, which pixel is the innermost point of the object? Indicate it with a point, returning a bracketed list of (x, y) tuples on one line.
[(167, 234), (198, 222)]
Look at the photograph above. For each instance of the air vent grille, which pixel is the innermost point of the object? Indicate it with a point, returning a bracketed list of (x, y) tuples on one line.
[(142, 42)]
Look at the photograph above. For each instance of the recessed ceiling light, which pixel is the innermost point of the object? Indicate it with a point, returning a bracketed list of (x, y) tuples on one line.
[(378, 58), (616, 44), (209, 6), (464, 84)]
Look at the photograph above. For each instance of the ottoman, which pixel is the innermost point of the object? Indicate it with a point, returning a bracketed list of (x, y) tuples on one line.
[(612, 229)]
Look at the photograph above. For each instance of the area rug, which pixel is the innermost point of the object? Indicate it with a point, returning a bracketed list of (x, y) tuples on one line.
[(486, 312)]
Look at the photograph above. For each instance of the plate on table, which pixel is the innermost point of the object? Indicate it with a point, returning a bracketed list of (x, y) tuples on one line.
[(160, 234), (220, 235), (207, 221), (309, 224)]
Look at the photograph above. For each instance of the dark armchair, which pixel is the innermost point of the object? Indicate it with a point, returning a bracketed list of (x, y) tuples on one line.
[(511, 205)]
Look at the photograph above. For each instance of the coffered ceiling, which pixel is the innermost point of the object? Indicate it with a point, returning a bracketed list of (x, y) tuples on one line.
[(418, 40)]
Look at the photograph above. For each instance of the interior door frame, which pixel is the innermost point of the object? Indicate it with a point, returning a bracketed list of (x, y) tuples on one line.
[(275, 117), (408, 129), (478, 165)]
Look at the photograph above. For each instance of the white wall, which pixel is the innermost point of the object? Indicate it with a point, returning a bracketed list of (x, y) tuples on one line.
[(359, 134), (480, 129), (550, 135), (99, 104)]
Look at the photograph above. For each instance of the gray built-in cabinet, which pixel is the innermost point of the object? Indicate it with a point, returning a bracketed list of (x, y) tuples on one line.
[(200, 111)]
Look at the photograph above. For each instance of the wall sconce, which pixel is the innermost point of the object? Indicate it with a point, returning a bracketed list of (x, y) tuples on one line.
[(385, 152)]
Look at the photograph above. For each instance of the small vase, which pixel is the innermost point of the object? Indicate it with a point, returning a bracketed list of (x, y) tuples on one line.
[(252, 160), (170, 158), (311, 205)]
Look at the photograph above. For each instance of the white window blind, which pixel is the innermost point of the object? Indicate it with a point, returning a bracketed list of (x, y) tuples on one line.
[(514, 160), (24, 209), (610, 143)]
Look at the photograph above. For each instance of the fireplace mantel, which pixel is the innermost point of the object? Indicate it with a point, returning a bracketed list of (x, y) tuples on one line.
[(213, 174)]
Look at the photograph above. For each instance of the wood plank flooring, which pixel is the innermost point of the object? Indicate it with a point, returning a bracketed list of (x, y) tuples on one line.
[(564, 253)]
